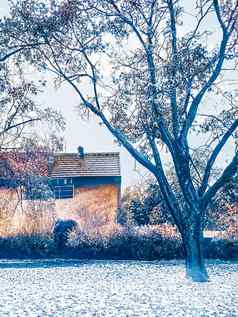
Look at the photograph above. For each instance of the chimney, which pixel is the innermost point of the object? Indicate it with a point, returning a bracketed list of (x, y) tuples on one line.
[(81, 152)]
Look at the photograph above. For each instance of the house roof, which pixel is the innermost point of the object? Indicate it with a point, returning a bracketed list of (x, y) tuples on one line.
[(93, 164)]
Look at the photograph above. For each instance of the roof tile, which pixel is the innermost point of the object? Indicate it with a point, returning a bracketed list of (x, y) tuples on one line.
[(93, 164)]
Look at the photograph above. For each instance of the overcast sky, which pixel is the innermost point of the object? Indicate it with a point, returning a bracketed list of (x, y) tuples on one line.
[(90, 134)]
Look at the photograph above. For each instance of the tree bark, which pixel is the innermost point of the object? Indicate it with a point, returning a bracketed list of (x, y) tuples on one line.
[(193, 246)]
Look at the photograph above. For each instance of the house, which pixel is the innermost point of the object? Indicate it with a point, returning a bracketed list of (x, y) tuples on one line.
[(86, 182), (82, 183)]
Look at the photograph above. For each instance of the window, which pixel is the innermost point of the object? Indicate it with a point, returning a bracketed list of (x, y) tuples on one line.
[(63, 192)]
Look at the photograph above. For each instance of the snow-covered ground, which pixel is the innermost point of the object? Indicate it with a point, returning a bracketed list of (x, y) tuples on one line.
[(117, 289)]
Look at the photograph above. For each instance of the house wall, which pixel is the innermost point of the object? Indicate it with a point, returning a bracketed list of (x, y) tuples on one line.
[(93, 205)]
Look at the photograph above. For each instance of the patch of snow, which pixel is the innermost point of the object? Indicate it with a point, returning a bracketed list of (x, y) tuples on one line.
[(115, 289)]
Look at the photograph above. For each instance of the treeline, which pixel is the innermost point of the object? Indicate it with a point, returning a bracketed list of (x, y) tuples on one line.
[(143, 204)]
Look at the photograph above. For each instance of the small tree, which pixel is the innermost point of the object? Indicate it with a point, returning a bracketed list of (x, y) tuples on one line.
[(132, 211), (223, 211), (143, 204), (23, 159), (146, 79), (27, 201)]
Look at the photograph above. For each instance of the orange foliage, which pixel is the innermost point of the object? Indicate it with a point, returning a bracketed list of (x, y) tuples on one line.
[(229, 220), (17, 163)]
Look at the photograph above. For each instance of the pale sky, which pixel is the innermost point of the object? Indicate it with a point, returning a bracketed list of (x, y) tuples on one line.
[(89, 134)]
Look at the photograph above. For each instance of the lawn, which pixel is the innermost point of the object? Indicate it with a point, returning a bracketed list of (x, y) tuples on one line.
[(115, 288)]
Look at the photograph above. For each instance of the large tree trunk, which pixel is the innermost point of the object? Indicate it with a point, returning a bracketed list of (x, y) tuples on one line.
[(193, 245)]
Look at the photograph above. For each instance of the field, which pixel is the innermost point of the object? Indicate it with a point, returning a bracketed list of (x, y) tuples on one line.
[(115, 288)]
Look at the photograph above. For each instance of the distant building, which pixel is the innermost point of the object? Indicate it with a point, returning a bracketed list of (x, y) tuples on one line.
[(81, 182), (89, 181)]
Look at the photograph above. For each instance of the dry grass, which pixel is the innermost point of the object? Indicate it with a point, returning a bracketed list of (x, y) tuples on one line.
[(26, 218)]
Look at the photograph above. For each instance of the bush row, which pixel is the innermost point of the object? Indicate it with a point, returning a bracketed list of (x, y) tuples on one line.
[(126, 244)]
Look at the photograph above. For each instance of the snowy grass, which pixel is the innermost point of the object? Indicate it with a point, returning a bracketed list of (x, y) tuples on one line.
[(115, 288)]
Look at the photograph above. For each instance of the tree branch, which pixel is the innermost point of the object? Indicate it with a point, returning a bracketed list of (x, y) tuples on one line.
[(197, 100), (214, 155), (128, 21), (229, 172), (165, 187), (216, 72), (21, 48), (173, 97), (218, 14), (4, 58), (19, 124), (200, 20), (96, 110)]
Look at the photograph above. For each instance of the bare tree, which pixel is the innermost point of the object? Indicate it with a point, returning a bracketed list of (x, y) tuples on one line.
[(20, 114), (149, 71)]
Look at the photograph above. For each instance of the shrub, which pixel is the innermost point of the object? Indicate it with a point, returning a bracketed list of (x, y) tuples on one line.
[(221, 249), (142, 243), (61, 231), (27, 246)]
